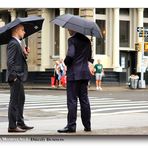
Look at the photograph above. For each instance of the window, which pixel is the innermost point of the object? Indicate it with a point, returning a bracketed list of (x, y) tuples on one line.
[(56, 35), (124, 33), (146, 12), (124, 11), (76, 11), (21, 13), (100, 43), (5, 16), (100, 11)]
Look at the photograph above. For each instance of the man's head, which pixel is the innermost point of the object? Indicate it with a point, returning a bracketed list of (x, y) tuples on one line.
[(18, 31), (71, 32), (57, 62), (99, 61)]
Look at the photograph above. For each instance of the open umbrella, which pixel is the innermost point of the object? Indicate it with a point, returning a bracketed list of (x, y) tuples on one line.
[(78, 24), (31, 24)]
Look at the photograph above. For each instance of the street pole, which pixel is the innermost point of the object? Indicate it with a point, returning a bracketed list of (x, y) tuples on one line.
[(142, 81)]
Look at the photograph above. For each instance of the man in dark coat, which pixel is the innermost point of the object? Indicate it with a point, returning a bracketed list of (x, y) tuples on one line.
[(17, 72), (78, 75)]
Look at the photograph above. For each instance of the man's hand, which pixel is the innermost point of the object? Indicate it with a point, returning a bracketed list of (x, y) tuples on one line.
[(91, 68), (26, 51), (15, 79)]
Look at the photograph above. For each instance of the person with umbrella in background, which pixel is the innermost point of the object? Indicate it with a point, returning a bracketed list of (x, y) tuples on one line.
[(78, 74), (17, 69)]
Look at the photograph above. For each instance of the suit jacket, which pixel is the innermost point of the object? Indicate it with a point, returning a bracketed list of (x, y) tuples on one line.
[(16, 62), (78, 55)]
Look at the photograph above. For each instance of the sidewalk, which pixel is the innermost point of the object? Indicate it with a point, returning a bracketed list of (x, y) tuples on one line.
[(92, 88), (123, 124)]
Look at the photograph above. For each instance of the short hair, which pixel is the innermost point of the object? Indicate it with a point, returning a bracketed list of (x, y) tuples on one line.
[(15, 28)]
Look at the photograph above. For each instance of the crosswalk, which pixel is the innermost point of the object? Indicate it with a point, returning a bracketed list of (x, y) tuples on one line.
[(56, 105)]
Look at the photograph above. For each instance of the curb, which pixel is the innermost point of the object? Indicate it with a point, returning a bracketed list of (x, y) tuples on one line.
[(92, 88)]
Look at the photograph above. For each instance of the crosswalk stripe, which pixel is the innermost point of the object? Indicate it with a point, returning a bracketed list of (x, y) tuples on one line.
[(120, 112), (119, 108), (99, 106)]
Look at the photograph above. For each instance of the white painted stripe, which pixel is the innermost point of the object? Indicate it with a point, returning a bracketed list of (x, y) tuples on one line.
[(34, 101), (28, 100), (94, 106), (99, 110), (52, 101), (118, 102), (111, 113), (50, 110), (50, 106), (38, 107), (121, 108), (56, 108), (91, 98), (53, 109), (63, 102), (121, 112), (46, 96), (37, 102), (117, 105)]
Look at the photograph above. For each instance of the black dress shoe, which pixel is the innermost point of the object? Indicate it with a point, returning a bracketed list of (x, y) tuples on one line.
[(25, 127), (66, 130), (87, 129), (16, 130)]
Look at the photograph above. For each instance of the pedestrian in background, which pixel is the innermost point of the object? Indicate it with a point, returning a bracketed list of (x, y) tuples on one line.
[(57, 73), (62, 67), (99, 72)]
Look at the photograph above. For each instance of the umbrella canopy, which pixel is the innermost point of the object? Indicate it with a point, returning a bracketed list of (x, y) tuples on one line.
[(31, 24), (78, 24)]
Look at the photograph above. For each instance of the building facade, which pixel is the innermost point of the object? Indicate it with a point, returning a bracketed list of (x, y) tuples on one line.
[(116, 50)]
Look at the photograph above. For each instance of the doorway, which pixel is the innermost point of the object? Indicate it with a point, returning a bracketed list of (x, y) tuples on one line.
[(128, 62)]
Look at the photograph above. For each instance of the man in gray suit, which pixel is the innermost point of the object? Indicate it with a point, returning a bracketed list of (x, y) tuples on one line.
[(17, 72), (78, 75)]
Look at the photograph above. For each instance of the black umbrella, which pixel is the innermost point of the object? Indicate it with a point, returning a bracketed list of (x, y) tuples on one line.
[(78, 24), (31, 24)]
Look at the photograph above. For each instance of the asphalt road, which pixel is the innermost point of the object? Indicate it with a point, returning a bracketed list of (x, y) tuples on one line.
[(131, 94)]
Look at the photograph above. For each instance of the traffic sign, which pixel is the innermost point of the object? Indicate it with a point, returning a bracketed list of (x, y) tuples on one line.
[(141, 34), (142, 29), (146, 47), (139, 29), (138, 46)]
